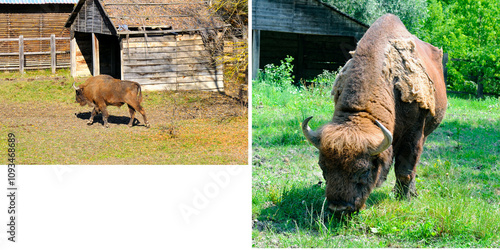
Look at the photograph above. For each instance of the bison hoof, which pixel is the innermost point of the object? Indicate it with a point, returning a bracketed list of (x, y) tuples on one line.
[(106, 125), (90, 122)]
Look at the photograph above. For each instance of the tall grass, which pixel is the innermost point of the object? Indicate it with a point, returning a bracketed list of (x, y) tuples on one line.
[(458, 179)]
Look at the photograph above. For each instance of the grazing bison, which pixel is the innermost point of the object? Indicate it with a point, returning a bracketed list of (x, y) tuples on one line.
[(388, 98), (103, 90)]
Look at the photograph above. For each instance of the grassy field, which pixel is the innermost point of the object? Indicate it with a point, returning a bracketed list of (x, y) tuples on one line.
[(458, 180), (187, 127)]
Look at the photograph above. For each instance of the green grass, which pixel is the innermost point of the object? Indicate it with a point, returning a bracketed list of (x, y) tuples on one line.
[(458, 180)]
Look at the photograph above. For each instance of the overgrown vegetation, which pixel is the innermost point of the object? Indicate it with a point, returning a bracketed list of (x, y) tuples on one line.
[(232, 47), (458, 178), (465, 29)]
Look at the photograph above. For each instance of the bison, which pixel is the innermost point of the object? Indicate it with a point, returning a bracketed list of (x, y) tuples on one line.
[(388, 98), (103, 90)]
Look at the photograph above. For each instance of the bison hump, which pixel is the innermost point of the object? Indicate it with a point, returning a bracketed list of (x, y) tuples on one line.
[(403, 68)]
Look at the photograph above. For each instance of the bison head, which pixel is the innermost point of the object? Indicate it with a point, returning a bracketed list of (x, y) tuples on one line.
[(354, 158), (80, 98)]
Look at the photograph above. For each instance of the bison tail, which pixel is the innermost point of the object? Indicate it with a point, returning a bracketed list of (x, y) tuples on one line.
[(139, 93)]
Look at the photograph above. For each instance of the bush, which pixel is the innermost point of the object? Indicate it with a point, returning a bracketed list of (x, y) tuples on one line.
[(278, 76)]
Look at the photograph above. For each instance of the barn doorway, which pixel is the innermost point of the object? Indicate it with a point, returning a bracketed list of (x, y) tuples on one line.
[(97, 54), (312, 53), (109, 55)]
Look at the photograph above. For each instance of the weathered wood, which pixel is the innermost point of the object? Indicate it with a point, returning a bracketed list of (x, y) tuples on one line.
[(208, 86), (35, 23), (73, 57), (21, 54), (150, 58), (168, 32), (255, 52), (198, 68), (161, 4), (53, 53), (83, 54), (143, 50), (95, 55), (92, 18), (305, 17)]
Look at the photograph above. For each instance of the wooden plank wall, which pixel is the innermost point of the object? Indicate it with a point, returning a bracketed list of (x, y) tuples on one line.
[(34, 21), (312, 53), (303, 16), (83, 54), (170, 62)]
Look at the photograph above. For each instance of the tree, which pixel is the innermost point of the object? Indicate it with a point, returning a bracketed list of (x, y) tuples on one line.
[(469, 31), (409, 11), (235, 13)]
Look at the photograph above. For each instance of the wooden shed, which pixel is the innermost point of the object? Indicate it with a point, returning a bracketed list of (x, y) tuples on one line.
[(317, 35), (161, 44), (36, 21)]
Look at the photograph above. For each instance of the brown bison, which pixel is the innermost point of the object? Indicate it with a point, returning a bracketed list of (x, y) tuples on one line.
[(388, 98), (103, 90)]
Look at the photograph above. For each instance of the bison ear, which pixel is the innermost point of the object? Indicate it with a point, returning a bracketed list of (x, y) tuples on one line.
[(312, 136)]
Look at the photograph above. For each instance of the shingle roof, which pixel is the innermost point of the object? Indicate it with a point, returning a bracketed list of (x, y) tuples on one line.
[(38, 1), (180, 14), (177, 14)]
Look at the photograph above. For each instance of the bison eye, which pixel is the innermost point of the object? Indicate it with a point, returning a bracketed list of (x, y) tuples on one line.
[(363, 177)]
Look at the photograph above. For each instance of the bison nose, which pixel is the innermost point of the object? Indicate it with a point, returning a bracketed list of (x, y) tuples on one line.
[(341, 207)]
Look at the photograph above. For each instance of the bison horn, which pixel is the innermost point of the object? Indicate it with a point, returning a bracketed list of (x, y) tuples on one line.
[(312, 136), (75, 87), (386, 143)]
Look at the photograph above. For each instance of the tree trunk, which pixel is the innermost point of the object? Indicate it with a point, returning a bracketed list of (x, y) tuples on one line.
[(480, 88)]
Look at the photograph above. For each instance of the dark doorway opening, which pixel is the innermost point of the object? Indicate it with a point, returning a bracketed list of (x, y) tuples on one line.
[(109, 55)]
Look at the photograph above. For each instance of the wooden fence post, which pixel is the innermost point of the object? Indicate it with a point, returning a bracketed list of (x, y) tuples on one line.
[(21, 54), (53, 53)]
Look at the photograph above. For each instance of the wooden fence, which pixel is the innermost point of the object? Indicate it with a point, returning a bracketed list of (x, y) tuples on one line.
[(6, 62)]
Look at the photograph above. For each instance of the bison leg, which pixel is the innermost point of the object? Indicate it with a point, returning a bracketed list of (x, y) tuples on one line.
[(105, 116), (407, 156), (132, 115), (95, 110), (139, 108)]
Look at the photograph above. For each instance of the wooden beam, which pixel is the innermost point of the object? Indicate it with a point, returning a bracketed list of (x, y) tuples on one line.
[(162, 32), (53, 53), (21, 53), (72, 55), (161, 4), (95, 55), (255, 52)]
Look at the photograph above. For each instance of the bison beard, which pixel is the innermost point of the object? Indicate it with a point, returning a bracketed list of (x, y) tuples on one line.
[(388, 98), (103, 90)]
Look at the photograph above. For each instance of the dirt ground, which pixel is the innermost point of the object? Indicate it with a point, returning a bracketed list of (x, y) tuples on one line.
[(186, 128)]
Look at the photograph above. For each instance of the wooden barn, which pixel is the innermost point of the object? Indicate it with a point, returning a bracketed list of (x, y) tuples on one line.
[(317, 35), (35, 21), (161, 44)]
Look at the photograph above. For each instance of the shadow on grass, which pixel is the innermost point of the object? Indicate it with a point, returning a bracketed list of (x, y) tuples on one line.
[(119, 120), (305, 208)]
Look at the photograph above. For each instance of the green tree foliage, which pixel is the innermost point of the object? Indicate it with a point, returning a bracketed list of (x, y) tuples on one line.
[(469, 31), (367, 11)]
